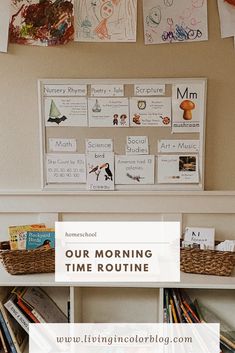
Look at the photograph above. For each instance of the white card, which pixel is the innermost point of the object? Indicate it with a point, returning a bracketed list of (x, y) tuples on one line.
[(178, 146), (65, 90), (149, 90), (99, 145), (176, 169), (66, 168), (108, 112), (203, 236), (150, 111), (4, 24), (187, 108), (100, 171), (134, 170), (137, 145), (107, 90), (62, 145), (66, 111)]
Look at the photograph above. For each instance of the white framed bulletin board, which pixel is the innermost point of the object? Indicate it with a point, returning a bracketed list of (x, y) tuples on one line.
[(122, 134)]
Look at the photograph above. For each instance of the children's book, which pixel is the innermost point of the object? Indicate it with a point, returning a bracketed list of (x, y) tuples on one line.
[(43, 238), (15, 311), (17, 235)]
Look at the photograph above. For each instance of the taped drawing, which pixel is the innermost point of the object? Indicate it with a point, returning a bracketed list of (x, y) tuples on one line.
[(41, 22), (105, 20), (171, 21)]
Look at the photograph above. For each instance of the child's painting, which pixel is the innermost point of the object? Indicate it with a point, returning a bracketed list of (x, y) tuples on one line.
[(41, 22), (105, 20), (172, 21), (4, 24)]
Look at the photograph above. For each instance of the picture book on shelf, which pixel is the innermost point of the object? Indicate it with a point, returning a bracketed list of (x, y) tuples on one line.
[(17, 235), (43, 238)]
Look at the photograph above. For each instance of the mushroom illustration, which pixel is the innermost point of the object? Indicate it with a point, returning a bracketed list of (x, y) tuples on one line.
[(187, 106)]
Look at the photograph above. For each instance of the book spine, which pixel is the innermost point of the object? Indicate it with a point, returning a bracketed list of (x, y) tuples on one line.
[(3, 343), (7, 334), (17, 314), (27, 311), (38, 316)]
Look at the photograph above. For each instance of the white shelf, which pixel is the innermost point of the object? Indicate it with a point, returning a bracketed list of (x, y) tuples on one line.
[(187, 281)]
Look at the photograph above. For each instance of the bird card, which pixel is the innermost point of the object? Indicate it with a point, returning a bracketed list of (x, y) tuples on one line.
[(187, 108), (134, 170), (155, 111), (65, 111), (66, 168), (100, 171), (176, 169), (108, 112), (41, 239)]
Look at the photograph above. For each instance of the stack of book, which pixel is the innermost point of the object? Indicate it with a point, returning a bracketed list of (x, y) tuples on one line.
[(31, 236), (20, 308), (180, 308)]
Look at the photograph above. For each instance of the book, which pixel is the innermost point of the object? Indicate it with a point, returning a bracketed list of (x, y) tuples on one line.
[(16, 313), (27, 311), (17, 235), (7, 334), (3, 344), (43, 238), (36, 299), (14, 333)]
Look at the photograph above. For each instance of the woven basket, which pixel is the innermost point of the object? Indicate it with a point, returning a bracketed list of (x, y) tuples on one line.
[(207, 262), (22, 262)]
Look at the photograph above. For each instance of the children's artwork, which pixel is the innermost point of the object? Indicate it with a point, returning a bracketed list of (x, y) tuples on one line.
[(227, 18), (176, 169), (108, 112), (66, 168), (134, 170), (4, 24), (66, 111), (100, 171), (172, 21), (105, 20), (150, 111), (41, 22), (187, 108)]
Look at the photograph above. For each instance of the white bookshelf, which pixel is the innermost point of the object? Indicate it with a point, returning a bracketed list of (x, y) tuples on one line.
[(124, 302)]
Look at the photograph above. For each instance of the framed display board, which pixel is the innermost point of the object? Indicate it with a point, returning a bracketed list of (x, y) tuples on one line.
[(122, 134)]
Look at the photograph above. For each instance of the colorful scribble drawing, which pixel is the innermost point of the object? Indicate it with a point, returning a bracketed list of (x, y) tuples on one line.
[(170, 21), (105, 20), (41, 22)]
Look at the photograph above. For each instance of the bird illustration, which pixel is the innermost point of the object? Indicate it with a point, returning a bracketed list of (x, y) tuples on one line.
[(109, 175), (97, 171), (46, 245)]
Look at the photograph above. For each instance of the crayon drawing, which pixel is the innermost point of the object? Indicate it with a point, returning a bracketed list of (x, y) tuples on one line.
[(105, 20), (172, 21), (41, 22), (4, 24)]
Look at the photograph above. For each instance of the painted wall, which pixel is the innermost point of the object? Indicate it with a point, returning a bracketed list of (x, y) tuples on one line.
[(22, 66)]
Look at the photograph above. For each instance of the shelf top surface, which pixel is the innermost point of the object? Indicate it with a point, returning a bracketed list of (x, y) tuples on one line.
[(187, 281)]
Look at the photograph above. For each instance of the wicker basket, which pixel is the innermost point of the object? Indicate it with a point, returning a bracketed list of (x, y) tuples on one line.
[(207, 262), (22, 262)]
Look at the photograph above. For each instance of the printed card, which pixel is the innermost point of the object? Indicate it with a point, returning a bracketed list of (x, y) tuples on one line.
[(187, 108), (66, 168), (134, 170), (107, 90), (205, 237), (66, 111), (178, 146), (137, 145), (100, 171), (62, 145), (99, 145), (150, 111), (176, 169), (108, 112)]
